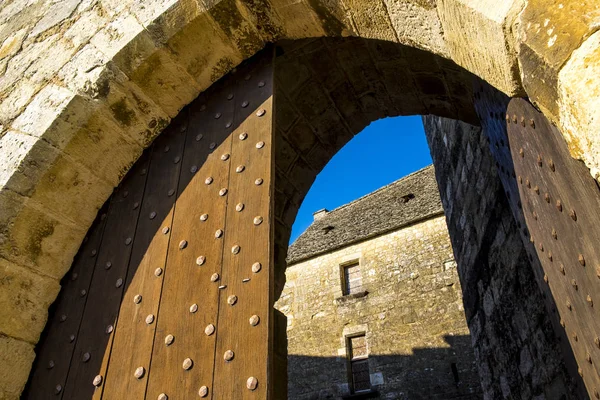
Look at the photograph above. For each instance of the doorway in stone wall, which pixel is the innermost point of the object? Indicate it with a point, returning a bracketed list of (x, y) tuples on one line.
[(372, 299), (171, 295)]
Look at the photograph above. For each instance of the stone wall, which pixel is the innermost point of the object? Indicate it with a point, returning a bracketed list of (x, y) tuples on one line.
[(412, 316), (516, 348)]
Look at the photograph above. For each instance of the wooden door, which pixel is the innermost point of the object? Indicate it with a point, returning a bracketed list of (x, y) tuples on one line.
[(171, 294), (557, 207)]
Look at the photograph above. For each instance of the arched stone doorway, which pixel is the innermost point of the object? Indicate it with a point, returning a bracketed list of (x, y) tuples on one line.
[(124, 82), (325, 91)]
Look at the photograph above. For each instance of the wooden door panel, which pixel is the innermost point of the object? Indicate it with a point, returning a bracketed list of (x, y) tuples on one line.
[(181, 271), (188, 275), (560, 203), (95, 337), (134, 336), (245, 297), (56, 347)]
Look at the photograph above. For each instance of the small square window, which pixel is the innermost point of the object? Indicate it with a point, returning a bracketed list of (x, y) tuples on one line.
[(351, 279)]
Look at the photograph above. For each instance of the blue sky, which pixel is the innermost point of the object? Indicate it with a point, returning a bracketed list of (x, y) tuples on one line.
[(383, 152)]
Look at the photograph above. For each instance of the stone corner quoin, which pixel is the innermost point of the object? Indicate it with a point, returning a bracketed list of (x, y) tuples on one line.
[(85, 86)]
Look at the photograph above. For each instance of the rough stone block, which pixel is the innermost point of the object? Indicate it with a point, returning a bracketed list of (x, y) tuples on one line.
[(25, 296), (22, 157), (123, 33), (16, 358), (122, 102), (548, 33), (477, 33), (86, 26), (285, 154), (12, 44), (149, 67), (99, 140), (37, 170), (15, 101), (22, 62), (417, 24), (301, 175), (163, 79), (233, 19), (579, 103), (285, 114), (215, 55), (292, 74), (301, 136), (33, 238), (371, 19), (170, 15), (86, 73), (42, 113), (67, 179), (44, 68), (300, 20), (54, 15)]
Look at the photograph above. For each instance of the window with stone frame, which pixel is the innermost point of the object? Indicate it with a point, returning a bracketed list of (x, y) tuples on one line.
[(351, 279), (358, 363)]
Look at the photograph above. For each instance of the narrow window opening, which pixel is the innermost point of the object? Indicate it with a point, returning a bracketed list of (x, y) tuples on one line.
[(407, 197), (328, 229), (455, 373), (359, 377)]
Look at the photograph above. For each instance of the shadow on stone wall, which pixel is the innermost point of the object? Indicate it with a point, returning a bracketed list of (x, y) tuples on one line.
[(428, 373)]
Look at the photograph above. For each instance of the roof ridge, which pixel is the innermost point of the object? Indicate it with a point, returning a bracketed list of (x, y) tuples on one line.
[(380, 189), (384, 209)]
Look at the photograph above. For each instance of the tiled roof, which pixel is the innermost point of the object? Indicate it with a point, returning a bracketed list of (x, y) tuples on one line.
[(412, 198)]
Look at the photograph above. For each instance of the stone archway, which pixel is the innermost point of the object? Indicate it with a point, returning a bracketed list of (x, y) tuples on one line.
[(87, 86), (327, 90)]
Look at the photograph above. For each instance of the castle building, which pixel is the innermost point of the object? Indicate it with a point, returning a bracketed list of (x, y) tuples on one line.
[(374, 303)]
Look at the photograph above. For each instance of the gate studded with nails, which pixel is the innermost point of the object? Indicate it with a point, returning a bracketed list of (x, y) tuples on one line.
[(170, 296), (171, 293), (556, 205)]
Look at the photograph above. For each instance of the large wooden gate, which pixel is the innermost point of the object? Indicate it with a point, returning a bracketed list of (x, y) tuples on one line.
[(556, 204), (170, 296), (561, 206)]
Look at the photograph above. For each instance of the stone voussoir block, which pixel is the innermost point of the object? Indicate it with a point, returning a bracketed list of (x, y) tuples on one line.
[(148, 65), (33, 238), (25, 296), (35, 169), (417, 24), (16, 358), (22, 156), (131, 115), (66, 178), (548, 33), (478, 36), (579, 103)]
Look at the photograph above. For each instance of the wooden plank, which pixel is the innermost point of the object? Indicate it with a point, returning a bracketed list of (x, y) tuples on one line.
[(92, 349), (133, 337), (186, 283), (55, 350), (248, 294)]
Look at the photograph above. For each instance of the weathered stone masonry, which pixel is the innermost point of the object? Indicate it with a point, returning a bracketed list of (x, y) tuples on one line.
[(515, 345), (412, 314), (86, 85)]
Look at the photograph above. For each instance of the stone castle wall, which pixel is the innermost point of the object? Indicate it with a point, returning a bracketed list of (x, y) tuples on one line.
[(412, 316), (517, 351)]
